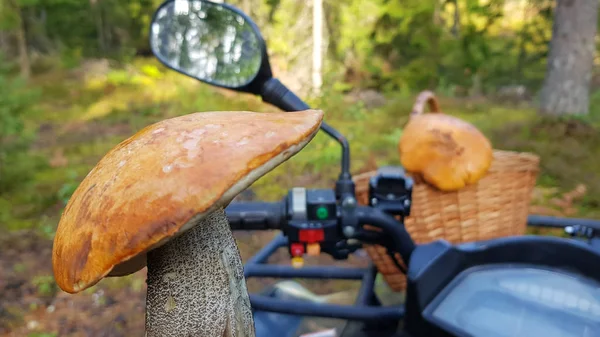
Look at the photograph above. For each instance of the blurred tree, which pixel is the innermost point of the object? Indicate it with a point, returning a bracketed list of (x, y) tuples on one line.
[(455, 46), (567, 85), (12, 19), (247, 6), (317, 79)]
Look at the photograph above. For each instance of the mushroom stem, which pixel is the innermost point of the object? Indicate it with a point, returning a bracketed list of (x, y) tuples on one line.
[(196, 284)]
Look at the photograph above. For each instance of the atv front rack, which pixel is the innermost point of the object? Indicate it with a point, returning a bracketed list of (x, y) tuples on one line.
[(367, 306)]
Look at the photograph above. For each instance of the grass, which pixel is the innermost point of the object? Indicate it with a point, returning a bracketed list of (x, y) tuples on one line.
[(80, 118)]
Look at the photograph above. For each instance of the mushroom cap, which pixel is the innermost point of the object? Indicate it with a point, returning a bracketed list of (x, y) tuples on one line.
[(161, 181), (448, 152)]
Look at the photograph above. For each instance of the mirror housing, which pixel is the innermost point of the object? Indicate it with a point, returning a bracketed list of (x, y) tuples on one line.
[(212, 42)]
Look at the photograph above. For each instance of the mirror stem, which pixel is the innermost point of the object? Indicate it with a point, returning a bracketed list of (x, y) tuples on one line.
[(277, 94)]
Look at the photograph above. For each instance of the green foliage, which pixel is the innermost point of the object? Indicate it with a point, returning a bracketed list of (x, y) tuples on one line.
[(16, 102), (412, 45), (68, 188), (460, 47), (151, 71), (118, 77), (42, 334), (11, 12), (569, 150), (594, 115), (45, 285)]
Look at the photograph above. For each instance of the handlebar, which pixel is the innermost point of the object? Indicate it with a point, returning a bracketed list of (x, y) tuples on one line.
[(256, 215), (274, 216)]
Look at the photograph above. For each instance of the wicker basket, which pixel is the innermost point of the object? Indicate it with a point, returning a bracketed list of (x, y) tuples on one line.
[(495, 206)]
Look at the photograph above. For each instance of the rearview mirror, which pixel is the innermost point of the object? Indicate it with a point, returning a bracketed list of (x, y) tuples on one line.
[(212, 42)]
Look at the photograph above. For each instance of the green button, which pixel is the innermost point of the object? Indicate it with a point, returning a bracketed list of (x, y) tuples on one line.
[(322, 213)]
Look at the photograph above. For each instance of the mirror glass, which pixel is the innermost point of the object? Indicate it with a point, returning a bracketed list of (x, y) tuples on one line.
[(207, 41)]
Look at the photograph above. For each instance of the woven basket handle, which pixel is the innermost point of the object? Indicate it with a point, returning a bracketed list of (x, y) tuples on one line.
[(425, 97)]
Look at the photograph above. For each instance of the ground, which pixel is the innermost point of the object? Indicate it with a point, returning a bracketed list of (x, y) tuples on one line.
[(32, 305), (83, 113)]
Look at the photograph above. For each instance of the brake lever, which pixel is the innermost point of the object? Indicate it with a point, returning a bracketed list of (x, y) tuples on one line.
[(379, 238)]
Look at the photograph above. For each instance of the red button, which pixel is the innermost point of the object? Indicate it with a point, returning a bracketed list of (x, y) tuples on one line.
[(297, 249), (311, 235)]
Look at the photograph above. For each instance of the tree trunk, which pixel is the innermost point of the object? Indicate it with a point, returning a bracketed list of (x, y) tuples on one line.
[(21, 39), (570, 60), (332, 23), (4, 45), (456, 23), (437, 19), (22, 45), (97, 12), (317, 81), (247, 7)]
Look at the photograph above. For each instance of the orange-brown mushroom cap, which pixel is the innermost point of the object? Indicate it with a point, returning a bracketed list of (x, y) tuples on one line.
[(449, 152), (143, 191)]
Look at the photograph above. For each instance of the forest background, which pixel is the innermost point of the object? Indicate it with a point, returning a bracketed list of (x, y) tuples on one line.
[(77, 77)]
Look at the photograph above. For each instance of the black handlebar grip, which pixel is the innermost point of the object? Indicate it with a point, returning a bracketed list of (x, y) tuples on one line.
[(255, 215)]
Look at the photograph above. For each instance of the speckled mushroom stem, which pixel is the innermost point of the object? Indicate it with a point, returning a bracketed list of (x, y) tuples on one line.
[(196, 284)]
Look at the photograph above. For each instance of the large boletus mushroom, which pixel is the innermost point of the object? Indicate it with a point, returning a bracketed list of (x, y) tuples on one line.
[(446, 151), (157, 199)]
